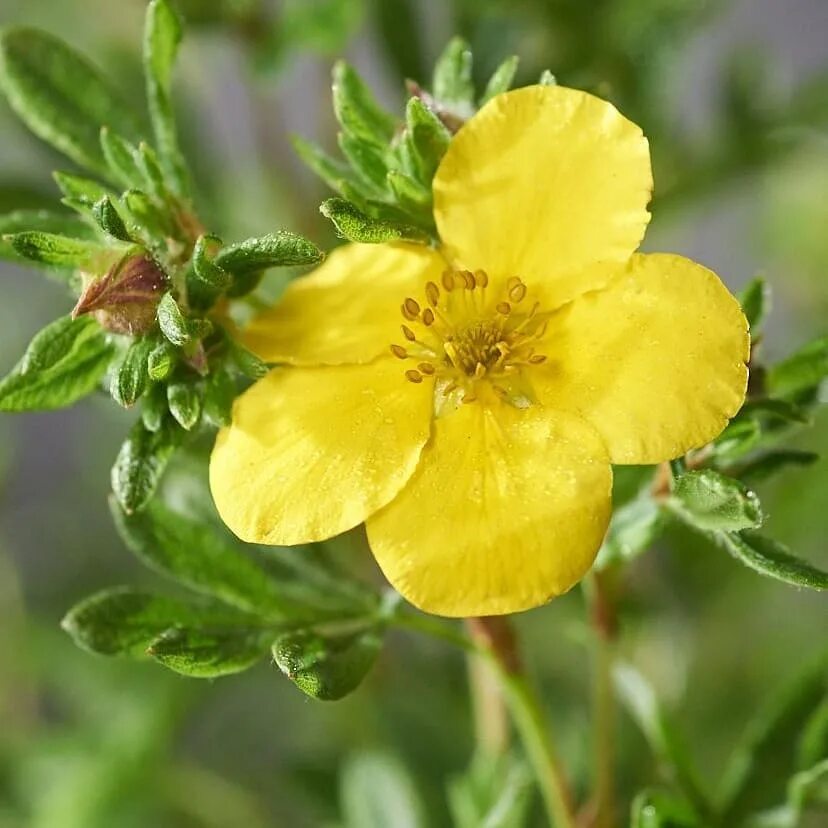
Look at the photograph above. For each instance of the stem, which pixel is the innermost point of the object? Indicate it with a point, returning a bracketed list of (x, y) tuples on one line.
[(602, 617), (491, 717), (495, 637)]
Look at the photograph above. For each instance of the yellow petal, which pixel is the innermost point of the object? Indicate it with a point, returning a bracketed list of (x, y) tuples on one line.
[(312, 452), (506, 510), (656, 361), (541, 183), (347, 310)]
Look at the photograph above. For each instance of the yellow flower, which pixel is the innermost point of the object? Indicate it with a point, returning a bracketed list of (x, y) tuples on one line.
[(466, 403)]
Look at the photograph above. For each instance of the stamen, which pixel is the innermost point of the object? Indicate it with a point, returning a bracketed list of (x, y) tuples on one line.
[(408, 333), (428, 317), (482, 278), (517, 293), (537, 359), (448, 280), (399, 351), (503, 308), (413, 376), (427, 368), (411, 309), (468, 279), (432, 294)]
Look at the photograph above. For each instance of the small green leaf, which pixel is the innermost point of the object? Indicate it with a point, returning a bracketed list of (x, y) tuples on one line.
[(280, 249), (327, 667), (247, 362), (124, 621), (121, 158), (452, 83), (547, 79), (501, 79), (78, 188), (141, 463), (205, 268), (803, 370), (64, 362), (366, 161), (59, 95), (755, 300), (710, 501), (355, 226), (641, 702), (357, 111), (410, 195), (172, 322), (376, 791), (184, 401), (109, 219), (144, 214), (52, 249), (330, 170), (218, 398), (632, 530), (160, 361), (130, 379), (210, 653), (154, 407), (771, 558), (63, 223), (151, 171), (162, 37), (496, 792), (428, 139), (766, 465), (202, 558)]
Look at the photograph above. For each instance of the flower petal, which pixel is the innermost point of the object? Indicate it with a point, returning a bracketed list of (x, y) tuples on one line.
[(347, 310), (541, 183), (312, 452), (506, 510), (656, 361)]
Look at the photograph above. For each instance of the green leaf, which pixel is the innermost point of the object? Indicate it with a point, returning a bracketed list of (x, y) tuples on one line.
[(205, 268), (632, 530), (130, 379), (367, 162), (162, 37), (356, 226), (501, 79), (710, 501), (809, 787), (210, 653), (428, 139), (218, 398), (376, 791), (64, 223), (109, 219), (141, 462), (78, 188), (496, 792), (151, 171), (56, 250), (812, 743), (327, 667), (771, 558), (145, 215), (280, 249), (330, 170), (654, 809), (202, 558), (247, 362), (803, 370), (547, 79), (639, 698), (124, 621), (184, 401), (59, 95), (766, 465), (154, 407), (64, 362), (160, 361), (357, 111), (766, 755), (755, 300), (410, 195), (452, 83), (172, 322), (121, 158)]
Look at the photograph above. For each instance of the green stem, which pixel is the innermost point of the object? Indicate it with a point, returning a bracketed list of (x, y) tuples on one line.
[(493, 639)]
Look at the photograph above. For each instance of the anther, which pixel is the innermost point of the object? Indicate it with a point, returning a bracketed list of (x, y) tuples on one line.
[(399, 351), (411, 308), (427, 368), (537, 359), (479, 370), (503, 308), (468, 277), (469, 398), (517, 292), (448, 280), (481, 277), (428, 317), (432, 294), (413, 376), (408, 333), (512, 282)]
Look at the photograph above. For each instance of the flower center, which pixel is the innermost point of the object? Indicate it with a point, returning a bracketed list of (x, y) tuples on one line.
[(472, 339)]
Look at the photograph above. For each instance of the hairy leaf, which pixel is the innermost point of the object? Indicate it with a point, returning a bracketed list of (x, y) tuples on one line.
[(356, 226), (452, 83), (357, 111), (55, 250), (280, 249), (501, 79)]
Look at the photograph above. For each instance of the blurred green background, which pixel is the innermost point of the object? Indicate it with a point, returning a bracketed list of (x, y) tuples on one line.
[(734, 99)]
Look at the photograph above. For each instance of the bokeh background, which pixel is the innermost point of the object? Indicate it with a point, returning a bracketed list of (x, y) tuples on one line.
[(734, 97)]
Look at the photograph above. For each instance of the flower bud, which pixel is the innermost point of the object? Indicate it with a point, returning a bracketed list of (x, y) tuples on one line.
[(124, 299)]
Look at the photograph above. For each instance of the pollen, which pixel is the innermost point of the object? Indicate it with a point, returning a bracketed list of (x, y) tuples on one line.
[(472, 334)]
